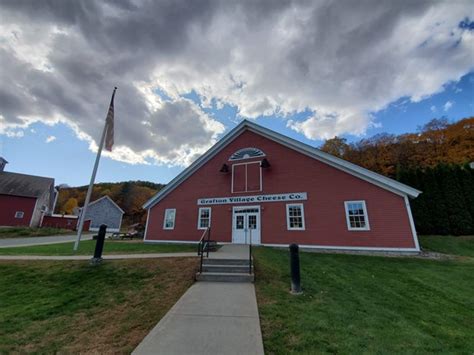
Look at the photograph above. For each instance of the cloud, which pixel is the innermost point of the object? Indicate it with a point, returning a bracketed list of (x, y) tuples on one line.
[(447, 106), (50, 139), (433, 109), (342, 61)]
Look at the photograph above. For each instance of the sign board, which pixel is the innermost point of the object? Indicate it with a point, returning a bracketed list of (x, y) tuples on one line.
[(289, 197)]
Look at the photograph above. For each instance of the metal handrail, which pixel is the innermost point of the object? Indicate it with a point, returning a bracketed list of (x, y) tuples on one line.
[(201, 245), (250, 251)]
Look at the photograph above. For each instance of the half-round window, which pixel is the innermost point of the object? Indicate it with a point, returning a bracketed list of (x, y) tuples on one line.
[(247, 153)]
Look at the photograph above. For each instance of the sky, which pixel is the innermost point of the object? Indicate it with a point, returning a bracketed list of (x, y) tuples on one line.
[(187, 72)]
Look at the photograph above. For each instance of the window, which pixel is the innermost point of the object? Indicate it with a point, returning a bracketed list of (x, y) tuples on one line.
[(356, 216), (247, 153), (170, 214), (295, 216), (204, 218), (246, 177), (19, 214)]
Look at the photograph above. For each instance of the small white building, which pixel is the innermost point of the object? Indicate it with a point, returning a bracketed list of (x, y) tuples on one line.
[(104, 211)]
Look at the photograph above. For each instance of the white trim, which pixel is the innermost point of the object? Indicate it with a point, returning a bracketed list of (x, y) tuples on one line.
[(288, 205), (246, 177), (146, 224), (22, 214), (328, 247), (366, 216), (33, 212), (105, 196), (150, 241), (355, 170), (236, 209), (57, 215), (257, 156), (412, 224), (199, 217), (174, 218)]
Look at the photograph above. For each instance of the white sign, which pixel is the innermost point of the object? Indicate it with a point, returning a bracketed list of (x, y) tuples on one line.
[(293, 196)]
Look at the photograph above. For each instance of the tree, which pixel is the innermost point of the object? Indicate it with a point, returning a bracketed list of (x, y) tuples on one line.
[(70, 205), (336, 146)]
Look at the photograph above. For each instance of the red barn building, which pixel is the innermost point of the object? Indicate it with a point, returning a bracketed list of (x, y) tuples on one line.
[(24, 199), (258, 186)]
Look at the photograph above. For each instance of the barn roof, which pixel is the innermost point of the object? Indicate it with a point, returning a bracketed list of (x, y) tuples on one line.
[(108, 198), (24, 185), (341, 164)]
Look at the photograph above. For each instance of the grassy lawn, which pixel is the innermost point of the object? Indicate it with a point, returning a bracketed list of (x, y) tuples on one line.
[(71, 307), (24, 232), (365, 304), (463, 245), (87, 247)]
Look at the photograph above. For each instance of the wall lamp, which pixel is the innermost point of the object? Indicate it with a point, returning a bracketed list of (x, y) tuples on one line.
[(224, 169), (265, 164)]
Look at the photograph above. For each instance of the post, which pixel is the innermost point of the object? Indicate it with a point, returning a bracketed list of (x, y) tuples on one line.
[(250, 252), (99, 245), (295, 269), (91, 184)]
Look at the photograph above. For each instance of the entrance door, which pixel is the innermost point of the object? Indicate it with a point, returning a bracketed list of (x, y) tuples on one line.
[(246, 225)]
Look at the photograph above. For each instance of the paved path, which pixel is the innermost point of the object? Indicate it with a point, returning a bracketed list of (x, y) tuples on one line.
[(24, 242), (210, 318), (105, 257)]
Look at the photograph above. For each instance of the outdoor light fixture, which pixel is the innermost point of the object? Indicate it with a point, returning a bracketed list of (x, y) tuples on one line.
[(265, 164), (224, 169)]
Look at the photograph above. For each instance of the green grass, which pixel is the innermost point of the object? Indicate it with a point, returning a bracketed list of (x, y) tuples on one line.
[(463, 245), (365, 304), (24, 232), (87, 247), (72, 307)]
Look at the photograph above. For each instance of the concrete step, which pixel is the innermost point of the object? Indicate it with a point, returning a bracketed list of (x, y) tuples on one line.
[(225, 262), (226, 268), (224, 277)]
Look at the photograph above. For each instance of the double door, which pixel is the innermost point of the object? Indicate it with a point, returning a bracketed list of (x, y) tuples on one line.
[(246, 225)]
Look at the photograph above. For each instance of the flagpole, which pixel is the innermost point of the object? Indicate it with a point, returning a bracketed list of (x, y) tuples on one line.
[(91, 184)]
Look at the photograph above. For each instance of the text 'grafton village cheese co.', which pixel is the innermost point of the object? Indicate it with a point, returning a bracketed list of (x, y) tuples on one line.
[(293, 196)]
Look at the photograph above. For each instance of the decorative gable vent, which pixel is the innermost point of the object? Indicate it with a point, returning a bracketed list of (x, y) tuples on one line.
[(247, 153)]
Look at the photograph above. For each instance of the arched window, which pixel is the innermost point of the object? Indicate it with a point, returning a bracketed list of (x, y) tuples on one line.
[(247, 153)]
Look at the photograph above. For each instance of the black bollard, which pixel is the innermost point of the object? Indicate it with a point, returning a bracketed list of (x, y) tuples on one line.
[(295, 269), (99, 245)]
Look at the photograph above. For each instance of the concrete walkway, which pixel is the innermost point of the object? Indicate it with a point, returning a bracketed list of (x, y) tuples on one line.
[(105, 257), (210, 318), (25, 242)]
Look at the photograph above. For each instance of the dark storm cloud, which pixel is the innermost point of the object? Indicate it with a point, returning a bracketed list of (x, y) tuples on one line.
[(339, 59)]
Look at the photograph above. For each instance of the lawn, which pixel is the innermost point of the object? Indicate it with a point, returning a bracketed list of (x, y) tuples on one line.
[(87, 247), (24, 232), (463, 245), (365, 304), (71, 307)]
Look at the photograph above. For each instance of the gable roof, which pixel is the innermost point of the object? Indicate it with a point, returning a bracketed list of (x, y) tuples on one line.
[(24, 185), (341, 164), (108, 198)]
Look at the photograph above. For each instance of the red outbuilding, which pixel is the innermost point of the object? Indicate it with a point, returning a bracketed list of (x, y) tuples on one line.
[(258, 186), (24, 199)]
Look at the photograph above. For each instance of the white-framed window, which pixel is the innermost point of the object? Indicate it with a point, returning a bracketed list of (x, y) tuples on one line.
[(295, 216), (170, 216), (19, 214), (204, 217), (246, 177), (356, 216)]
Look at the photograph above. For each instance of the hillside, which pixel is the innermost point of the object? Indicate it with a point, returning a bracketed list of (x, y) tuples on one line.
[(129, 195), (437, 142)]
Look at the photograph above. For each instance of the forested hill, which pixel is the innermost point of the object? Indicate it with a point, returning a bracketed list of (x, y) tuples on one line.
[(129, 195), (437, 142)]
